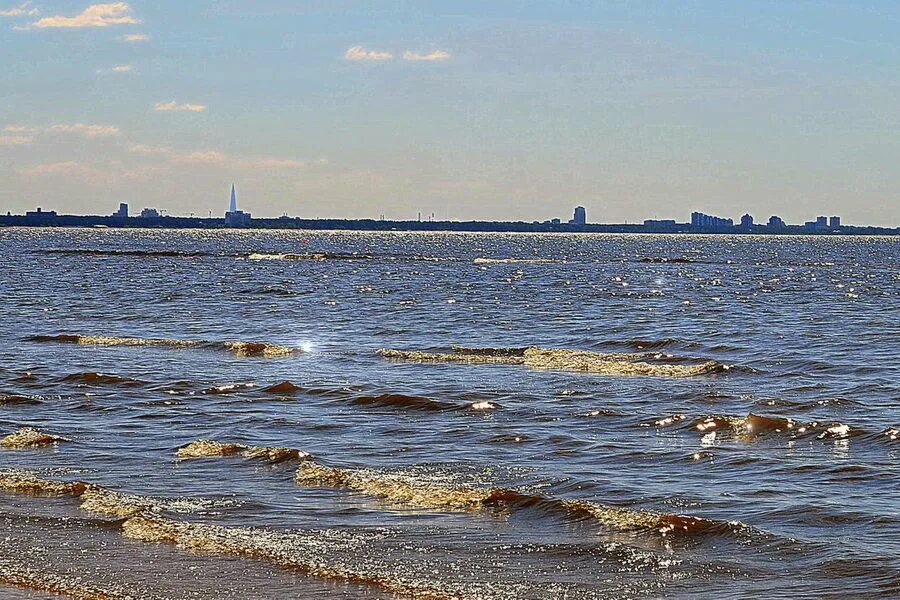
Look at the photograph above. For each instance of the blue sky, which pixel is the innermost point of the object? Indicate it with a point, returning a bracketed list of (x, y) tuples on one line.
[(469, 110)]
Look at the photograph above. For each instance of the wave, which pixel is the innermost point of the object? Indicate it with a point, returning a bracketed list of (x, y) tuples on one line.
[(92, 378), (18, 400), (211, 449), (242, 349), (30, 437), (488, 261), (754, 425), (51, 583), (422, 493), (315, 256), (404, 401), (140, 519), (581, 361), (227, 389), (285, 387), (638, 344), (147, 253), (666, 260)]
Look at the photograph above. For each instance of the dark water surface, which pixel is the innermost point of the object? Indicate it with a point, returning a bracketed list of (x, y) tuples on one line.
[(752, 383)]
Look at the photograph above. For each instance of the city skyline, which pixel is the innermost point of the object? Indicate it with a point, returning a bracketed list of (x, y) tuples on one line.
[(517, 113)]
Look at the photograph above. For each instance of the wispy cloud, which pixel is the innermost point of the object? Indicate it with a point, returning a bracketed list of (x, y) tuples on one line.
[(96, 15), (21, 10), (206, 157), (175, 106), (147, 149), (58, 168), (19, 129), (86, 130), (221, 159), (15, 140), (83, 129), (122, 69), (358, 53), (99, 174), (135, 37), (437, 55)]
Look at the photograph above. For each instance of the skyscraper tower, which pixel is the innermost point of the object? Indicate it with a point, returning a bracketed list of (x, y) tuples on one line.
[(235, 217)]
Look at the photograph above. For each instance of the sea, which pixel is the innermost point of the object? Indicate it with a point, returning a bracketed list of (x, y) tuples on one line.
[(233, 414)]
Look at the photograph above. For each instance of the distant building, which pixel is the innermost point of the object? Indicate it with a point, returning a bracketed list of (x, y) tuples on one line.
[(698, 219), (580, 217), (661, 223), (235, 217), (776, 222), (149, 213), (747, 221), (819, 224), (122, 213), (834, 222), (554, 221), (40, 214)]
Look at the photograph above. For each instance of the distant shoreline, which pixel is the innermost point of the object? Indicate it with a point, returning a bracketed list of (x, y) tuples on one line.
[(288, 223)]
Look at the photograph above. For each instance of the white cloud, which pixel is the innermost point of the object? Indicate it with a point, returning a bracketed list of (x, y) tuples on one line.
[(145, 149), (15, 140), (68, 167), (437, 55), (218, 158), (21, 10), (174, 106), (207, 157), (135, 37), (270, 163), (86, 130), (359, 53), (96, 15), (19, 129), (123, 68)]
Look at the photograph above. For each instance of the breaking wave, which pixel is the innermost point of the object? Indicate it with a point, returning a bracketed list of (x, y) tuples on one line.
[(141, 518), (29, 437), (582, 361), (422, 493), (212, 449), (243, 349), (20, 576), (754, 425)]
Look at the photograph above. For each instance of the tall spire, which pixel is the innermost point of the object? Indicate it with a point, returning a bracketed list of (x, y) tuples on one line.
[(233, 200)]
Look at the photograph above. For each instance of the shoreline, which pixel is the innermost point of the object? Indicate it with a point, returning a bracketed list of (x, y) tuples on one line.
[(282, 223)]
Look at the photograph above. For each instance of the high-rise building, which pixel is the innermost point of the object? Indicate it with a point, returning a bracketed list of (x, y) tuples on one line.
[(698, 219), (834, 222), (776, 222), (580, 216), (747, 221), (821, 222), (235, 217), (122, 213)]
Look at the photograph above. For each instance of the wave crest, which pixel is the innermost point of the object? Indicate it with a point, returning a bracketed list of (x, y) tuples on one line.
[(29, 437), (240, 348), (581, 361), (203, 448)]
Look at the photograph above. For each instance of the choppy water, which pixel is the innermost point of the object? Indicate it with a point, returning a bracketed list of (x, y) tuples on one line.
[(468, 416)]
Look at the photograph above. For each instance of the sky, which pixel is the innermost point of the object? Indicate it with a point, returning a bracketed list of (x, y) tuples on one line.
[(501, 110)]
